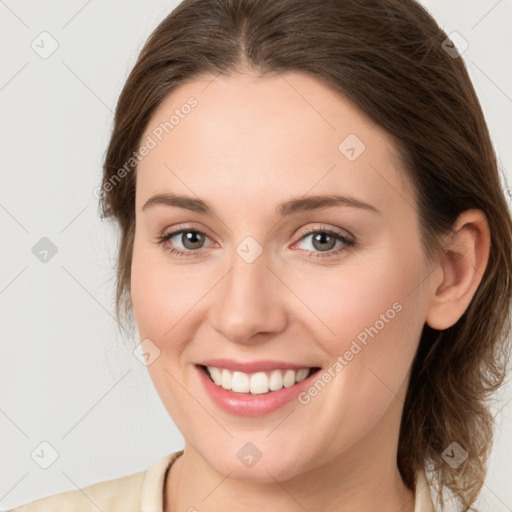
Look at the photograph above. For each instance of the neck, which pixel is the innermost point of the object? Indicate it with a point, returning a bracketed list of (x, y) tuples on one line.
[(365, 479)]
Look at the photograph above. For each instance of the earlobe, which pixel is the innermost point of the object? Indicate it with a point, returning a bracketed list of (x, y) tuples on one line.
[(463, 265)]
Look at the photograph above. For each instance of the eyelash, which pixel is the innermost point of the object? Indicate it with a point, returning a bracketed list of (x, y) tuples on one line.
[(347, 242)]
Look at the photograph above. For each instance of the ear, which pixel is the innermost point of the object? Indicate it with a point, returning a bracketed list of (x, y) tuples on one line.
[(463, 265)]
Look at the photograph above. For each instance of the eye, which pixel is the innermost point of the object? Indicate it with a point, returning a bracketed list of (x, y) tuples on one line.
[(192, 240), (323, 240)]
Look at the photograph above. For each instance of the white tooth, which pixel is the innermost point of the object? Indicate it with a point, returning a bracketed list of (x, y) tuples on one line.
[(240, 382), (215, 374), (259, 383), (301, 374), (289, 378), (276, 381), (226, 379)]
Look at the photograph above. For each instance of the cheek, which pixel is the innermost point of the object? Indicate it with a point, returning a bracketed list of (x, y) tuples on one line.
[(161, 301), (146, 294), (374, 318), (162, 293), (352, 297), (371, 316)]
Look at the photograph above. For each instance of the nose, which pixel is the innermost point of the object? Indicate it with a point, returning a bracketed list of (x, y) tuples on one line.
[(249, 301)]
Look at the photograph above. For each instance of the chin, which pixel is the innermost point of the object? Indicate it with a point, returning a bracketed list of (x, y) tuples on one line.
[(265, 470)]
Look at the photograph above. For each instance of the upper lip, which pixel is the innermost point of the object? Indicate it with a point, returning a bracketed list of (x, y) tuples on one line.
[(253, 366)]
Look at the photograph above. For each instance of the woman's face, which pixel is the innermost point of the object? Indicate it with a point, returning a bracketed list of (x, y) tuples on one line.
[(260, 285)]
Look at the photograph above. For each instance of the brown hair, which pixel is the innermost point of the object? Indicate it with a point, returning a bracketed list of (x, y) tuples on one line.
[(387, 57)]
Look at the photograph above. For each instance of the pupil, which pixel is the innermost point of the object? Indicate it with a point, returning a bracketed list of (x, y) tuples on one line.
[(320, 237), (189, 239)]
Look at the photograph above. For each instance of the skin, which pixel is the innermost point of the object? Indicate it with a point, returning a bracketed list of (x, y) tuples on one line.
[(251, 143)]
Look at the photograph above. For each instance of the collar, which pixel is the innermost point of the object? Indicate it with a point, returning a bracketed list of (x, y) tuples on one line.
[(152, 497), (423, 497)]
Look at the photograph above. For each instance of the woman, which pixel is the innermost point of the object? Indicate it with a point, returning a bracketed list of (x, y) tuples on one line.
[(316, 251)]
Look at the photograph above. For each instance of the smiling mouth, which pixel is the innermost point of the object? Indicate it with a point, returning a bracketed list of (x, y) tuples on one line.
[(257, 383)]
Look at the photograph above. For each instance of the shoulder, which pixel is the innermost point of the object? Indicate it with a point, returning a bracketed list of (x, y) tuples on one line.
[(117, 495), (131, 493)]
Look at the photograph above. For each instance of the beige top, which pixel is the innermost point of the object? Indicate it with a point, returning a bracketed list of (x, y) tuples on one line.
[(144, 492)]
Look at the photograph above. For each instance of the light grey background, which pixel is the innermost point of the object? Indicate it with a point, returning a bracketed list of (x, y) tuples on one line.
[(67, 376)]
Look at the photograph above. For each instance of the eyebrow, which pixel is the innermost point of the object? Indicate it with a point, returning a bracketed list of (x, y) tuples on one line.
[(287, 208)]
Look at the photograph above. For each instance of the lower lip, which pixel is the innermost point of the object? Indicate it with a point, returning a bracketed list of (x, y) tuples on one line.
[(246, 404)]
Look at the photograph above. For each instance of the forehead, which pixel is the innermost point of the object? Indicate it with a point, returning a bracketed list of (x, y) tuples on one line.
[(244, 139)]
